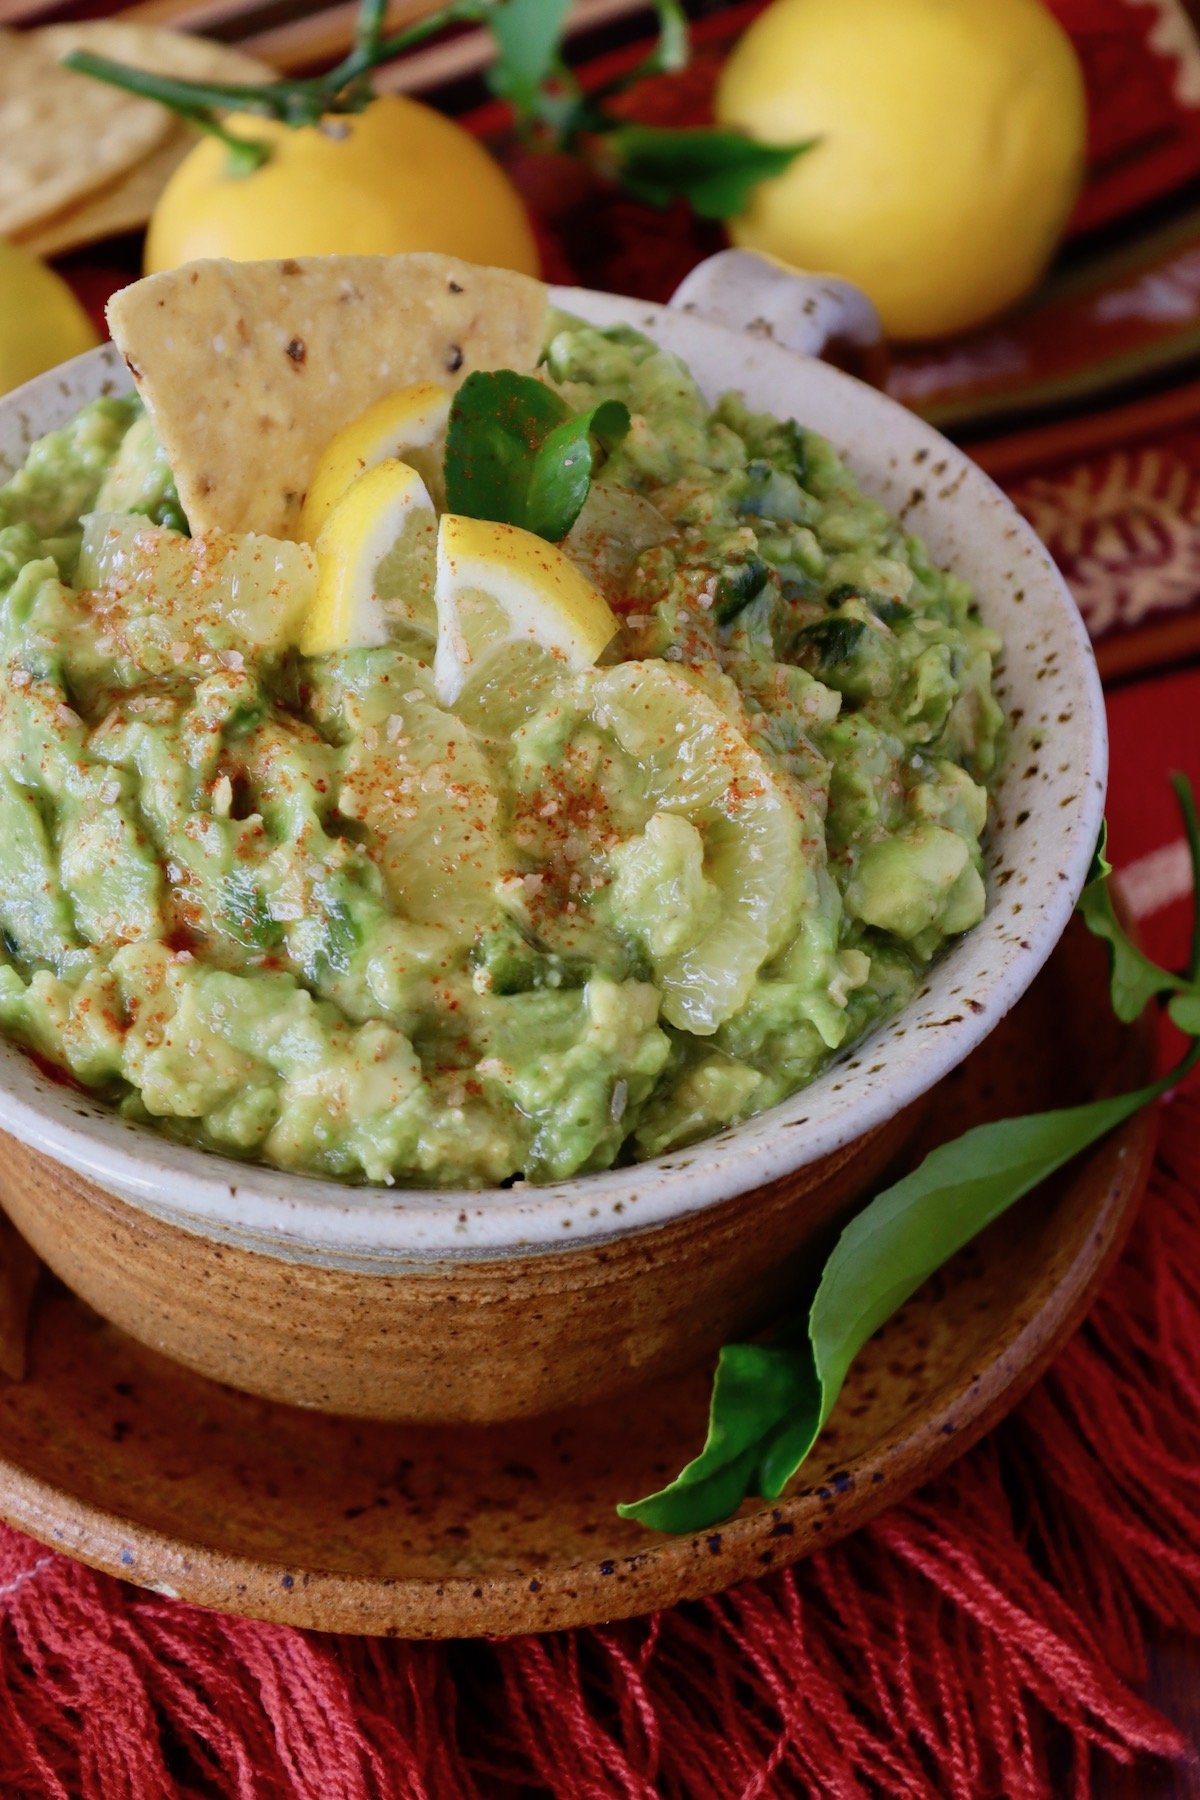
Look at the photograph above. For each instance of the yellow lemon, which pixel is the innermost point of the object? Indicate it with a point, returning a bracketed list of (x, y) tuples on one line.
[(951, 148), (396, 177), (375, 559), (41, 321), (499, 588), (408, 425)]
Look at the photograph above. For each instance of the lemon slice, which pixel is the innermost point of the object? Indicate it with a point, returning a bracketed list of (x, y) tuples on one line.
[(499, 587), (377, 541), (408, 424)]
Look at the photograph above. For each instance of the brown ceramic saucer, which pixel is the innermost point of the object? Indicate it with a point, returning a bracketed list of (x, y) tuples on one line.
[(118, 1457)]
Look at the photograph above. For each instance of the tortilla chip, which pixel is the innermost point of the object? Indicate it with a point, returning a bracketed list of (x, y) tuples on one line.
[(248, 369), (126, 203), (63, 136)]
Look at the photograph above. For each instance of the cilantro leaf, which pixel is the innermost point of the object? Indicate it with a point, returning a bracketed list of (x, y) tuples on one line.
[(770, 1401), (715, 169), (517, 454), (563, 467)]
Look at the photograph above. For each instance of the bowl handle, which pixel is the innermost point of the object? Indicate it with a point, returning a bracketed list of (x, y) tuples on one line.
[(813, 315)]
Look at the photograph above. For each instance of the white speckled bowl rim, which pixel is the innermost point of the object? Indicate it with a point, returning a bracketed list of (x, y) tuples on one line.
[(1047, 814)]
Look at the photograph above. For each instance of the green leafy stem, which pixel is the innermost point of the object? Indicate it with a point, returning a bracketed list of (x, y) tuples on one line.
[(770, 1400), (515, 452), (714, 170)]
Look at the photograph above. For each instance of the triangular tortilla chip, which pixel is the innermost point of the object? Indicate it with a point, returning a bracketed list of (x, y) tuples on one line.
[(248, 369)]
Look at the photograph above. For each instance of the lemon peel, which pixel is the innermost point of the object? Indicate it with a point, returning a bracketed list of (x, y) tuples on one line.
[(498, 585), (950, 148), (400, 425), (387, 508)]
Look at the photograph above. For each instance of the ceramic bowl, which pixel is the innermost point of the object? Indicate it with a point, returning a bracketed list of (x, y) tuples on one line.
[(465, 1305)]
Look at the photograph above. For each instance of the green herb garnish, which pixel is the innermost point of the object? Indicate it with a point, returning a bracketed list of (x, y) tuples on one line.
[(516, 453), (770, 1400), (737, 586), (834, 642)]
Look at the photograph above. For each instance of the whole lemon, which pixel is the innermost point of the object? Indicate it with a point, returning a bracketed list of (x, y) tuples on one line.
[(396, 177), (951, 146), (41, 321)]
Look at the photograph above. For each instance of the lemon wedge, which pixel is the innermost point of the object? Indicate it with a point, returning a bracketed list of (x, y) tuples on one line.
[(408, 424), (499, 587), (375, 564)]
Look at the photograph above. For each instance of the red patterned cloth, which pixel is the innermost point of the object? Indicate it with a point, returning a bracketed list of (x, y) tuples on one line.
[(987, 1639)]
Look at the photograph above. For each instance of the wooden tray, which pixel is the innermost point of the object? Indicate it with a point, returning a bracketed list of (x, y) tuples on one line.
[(116, 1456)]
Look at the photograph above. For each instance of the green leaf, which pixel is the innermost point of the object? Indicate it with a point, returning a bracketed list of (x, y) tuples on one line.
[(516, 453), (527, 34), (1135, 980), (562, 470), (1191, 826), (756, 1385), (770, 1401), (1184, 1012), (737, 586), (498, 423), (835, 641), (714, 169)]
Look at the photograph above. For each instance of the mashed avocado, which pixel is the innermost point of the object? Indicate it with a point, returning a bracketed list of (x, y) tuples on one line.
[(292, 909)]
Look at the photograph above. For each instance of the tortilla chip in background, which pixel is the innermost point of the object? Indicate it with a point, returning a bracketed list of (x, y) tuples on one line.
[(125, 204), (65, 137), (62, 135), (248, 369)]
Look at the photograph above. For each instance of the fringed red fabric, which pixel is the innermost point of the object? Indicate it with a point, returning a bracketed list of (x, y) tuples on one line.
[(987, 1638)]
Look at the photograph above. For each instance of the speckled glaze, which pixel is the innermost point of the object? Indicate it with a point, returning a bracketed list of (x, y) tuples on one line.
[(122, 1458), (587, 1254)]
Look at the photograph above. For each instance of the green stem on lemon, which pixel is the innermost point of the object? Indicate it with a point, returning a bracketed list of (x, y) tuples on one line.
[(371, 48), (294, 103), (275, 100)]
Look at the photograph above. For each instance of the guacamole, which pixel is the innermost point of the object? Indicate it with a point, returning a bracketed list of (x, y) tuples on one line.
[(294, 910)]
